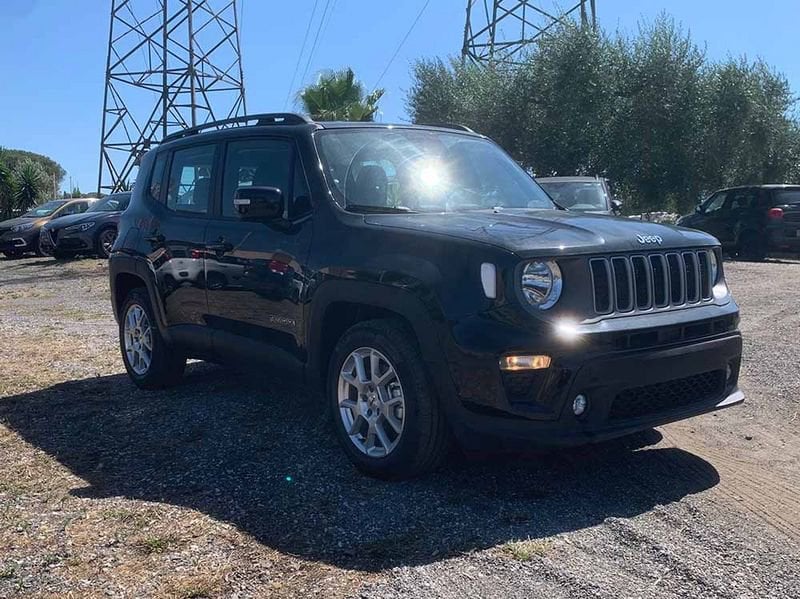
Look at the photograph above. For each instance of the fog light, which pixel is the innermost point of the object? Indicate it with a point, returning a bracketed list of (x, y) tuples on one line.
[(524, 362), (579, 404)]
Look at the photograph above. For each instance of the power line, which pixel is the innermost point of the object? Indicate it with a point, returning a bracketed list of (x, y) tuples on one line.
[(300, 56), (403, 41), (316, 40)]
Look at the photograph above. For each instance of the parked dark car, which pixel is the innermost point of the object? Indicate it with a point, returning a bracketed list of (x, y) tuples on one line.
[(581, 194), (91, 232), (21, 235), (751, 221), (424, 281)]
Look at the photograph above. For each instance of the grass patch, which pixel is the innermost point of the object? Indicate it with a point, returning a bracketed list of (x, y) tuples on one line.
[(7, 573), (525, 551), (157, 544)]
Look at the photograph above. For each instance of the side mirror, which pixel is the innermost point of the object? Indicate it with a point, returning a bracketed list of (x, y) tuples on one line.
[(698, 208), (616, 206), (259, 203)]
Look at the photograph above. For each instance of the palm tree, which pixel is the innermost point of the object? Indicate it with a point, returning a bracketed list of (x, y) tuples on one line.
[(30, 183), (337, 96)]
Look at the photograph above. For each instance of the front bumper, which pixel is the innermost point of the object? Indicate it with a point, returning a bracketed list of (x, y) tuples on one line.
[(18, 242), (68, 241), (628, 390)]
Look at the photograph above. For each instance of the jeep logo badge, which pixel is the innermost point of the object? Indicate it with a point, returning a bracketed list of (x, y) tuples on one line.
[(645, 239)]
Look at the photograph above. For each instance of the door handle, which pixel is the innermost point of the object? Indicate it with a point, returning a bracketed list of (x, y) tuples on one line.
[(219, 246)]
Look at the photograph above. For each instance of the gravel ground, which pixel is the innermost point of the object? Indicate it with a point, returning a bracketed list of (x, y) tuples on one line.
[(231, 485)]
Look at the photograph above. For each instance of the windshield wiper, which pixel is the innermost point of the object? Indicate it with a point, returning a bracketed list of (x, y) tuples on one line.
[(378, 209)]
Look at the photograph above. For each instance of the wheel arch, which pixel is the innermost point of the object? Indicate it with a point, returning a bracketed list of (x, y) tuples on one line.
[(339, 305), (127, 273)]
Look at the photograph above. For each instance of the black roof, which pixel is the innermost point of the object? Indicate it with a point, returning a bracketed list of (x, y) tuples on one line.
[(294, 121)]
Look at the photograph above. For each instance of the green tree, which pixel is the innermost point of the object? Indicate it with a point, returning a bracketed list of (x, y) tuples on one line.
[(338, 96), (7, 190), (649, 111), (76, 192), (52, 169), (31, 184)]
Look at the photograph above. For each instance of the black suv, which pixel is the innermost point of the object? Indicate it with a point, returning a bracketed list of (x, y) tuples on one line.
[(751, 221), (425, 281)]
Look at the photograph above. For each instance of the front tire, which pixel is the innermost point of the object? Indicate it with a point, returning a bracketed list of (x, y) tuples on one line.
[(13, 255), (150, 361), (105, 241), (386, 414), (42, 250)]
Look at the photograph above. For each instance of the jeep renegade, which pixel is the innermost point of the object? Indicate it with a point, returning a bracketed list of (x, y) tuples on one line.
[(424, 281)]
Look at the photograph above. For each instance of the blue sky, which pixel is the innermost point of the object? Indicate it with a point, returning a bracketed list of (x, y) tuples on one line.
[(52, 55)]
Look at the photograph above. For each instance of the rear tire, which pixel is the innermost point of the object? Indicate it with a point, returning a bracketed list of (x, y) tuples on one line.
[(397, 397), (150, 361), (752, 247)]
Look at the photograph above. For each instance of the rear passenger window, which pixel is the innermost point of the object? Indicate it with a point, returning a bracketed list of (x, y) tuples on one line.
[(189, 188), (255, 163), (157, 177)]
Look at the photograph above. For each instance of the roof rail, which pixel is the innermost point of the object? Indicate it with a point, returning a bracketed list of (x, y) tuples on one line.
[(272, 118), (449, 126)]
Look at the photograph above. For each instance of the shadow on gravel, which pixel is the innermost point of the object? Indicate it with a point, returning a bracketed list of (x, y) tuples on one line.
[(258, 453)]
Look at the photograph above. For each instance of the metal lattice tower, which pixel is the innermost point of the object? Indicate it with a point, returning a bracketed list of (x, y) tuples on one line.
[(497, 31), (171, 64)]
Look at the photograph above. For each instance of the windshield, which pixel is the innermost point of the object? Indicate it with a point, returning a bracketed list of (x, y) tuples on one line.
[(115, 203), (45, 209), (577, 195), (414, 170), (787, 196)]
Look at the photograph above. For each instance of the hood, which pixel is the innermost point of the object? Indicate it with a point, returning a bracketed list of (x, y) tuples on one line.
[(20, 220), (84, 217), (528, 232)]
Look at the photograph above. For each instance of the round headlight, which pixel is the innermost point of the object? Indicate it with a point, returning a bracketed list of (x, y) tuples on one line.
[(541, 283), (714, 264)]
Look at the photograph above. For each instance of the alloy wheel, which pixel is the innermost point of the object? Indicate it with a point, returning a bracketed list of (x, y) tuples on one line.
[(371, 402), (138, 338), (107, 239)]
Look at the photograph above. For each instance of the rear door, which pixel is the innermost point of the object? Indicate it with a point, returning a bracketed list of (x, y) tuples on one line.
[(177, 235), (255, 270)]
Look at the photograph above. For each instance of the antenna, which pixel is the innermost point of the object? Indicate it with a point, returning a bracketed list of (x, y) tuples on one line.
[(171, 64), (497, 31)]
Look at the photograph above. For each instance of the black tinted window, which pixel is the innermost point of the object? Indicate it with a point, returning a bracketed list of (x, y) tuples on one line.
[(255, 163), (787, 196), (189, 188)]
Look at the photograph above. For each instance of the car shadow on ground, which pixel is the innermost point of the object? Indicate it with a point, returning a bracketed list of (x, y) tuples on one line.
[(258, 452)]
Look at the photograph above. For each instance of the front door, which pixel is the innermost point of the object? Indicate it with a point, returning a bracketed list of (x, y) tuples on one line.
[(254, 270)]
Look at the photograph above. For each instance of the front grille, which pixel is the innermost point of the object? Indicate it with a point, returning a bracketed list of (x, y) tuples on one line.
[(663, 397), (647, 281)]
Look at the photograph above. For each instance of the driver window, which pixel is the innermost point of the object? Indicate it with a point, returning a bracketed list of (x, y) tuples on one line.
[(715, 203)]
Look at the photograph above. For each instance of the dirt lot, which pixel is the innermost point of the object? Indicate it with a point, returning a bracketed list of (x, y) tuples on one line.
[(232, 484)]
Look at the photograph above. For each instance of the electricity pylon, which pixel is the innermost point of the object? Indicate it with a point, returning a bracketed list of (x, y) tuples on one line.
[(171, 64), (497, 31)]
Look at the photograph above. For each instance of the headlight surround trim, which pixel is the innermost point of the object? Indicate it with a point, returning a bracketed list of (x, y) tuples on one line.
[(80, 227), (21, 228), (541, 283)]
